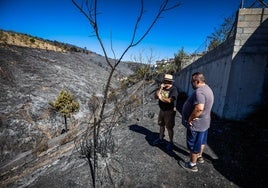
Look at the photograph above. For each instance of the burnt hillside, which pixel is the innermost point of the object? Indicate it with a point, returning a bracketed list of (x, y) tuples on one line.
[(31, 78)]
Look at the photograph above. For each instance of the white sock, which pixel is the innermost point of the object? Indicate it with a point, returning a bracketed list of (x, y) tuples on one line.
[(192, 164)]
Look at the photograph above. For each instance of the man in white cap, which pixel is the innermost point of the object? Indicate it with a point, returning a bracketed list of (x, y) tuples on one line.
[(167, 95)]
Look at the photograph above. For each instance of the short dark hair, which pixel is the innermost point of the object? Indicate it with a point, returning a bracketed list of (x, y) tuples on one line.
[(198, 76)]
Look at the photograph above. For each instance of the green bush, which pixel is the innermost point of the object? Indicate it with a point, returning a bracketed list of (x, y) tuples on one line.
[(32, 40), (65, 104)]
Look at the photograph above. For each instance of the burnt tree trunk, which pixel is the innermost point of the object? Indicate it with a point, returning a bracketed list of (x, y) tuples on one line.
[(65, 122)]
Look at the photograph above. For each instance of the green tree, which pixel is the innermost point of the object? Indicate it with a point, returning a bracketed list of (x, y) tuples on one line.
[(179, 58), (65, 104), (222, 33)]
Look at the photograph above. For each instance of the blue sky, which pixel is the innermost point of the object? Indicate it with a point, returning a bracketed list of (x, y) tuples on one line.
[(186, 27)]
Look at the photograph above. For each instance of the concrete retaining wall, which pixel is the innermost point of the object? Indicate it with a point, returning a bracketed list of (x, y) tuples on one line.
[(237, 70)]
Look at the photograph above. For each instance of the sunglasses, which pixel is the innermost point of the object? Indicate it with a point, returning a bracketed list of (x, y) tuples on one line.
[(167, 82)]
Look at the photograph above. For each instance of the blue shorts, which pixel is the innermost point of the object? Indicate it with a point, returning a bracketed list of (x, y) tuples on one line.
[(195, 140)]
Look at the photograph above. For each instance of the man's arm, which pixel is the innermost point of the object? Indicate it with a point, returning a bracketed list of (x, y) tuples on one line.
[(163, 99), (198, 109)]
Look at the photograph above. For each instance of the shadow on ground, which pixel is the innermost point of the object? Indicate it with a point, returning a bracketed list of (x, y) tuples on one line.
[(242, 152), (240, 148), (151, 136)]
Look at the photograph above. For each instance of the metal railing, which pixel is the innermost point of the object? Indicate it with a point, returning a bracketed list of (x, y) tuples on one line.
[(255, 4)]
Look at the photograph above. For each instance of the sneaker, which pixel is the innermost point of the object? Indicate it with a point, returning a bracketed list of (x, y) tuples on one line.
[(200, 160), (187, 166), (169, 146), (158, 141)]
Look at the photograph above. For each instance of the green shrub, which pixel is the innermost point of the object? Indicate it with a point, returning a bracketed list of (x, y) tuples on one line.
[(65, 104), (32, 40)]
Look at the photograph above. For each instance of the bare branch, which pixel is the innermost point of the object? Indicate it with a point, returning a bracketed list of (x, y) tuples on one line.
[(98, 137), (89, 15), (163, 8), (111, 38)]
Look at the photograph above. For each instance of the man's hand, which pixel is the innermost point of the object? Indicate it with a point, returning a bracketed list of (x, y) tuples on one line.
[(191, 122)]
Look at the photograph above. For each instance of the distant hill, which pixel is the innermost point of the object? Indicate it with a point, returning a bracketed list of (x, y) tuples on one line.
[(25, 40)]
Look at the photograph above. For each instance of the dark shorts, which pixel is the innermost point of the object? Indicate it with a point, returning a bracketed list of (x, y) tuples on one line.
[(167, 118), (195, 140)]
